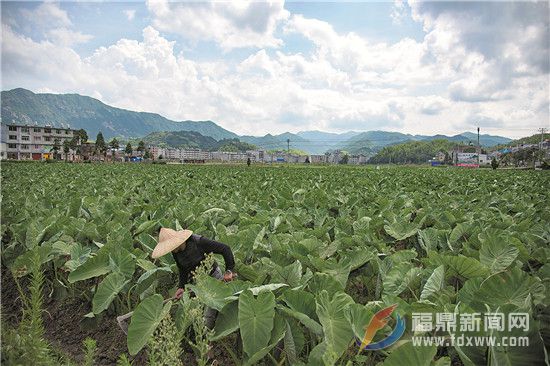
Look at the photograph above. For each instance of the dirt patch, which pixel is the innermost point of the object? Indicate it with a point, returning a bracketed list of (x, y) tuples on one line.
[(64, 327)]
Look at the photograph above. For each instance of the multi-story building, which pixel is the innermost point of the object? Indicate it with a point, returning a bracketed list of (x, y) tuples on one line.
[(318, 159), (172, 154), (357, 159), (25, 142), (195, 155)]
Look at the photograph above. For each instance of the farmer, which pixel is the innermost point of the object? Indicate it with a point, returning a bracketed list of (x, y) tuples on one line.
[(189, 250)]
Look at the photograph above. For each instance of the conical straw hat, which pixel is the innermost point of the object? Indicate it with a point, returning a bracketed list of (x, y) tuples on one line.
[(169, 240)]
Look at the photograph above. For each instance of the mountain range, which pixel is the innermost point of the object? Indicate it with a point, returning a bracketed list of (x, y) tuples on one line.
[(77, 111)]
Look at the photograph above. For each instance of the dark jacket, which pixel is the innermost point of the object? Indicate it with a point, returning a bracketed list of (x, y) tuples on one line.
[(196, 249)]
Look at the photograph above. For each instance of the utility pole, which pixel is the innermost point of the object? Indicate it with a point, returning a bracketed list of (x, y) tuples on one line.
[(478, 147), (541, 141), (288, 146)]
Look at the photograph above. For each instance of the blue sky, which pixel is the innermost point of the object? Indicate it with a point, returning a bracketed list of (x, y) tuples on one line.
[(258, 67)]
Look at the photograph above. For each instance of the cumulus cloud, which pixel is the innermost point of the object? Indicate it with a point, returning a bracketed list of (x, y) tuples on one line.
[(231, 24), (440, 84), (54, 23)]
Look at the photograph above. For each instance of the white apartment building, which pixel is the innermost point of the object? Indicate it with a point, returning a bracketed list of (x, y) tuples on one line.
[(357, 159), (318, 159), (195, 154), (25, 142), (471, 158)]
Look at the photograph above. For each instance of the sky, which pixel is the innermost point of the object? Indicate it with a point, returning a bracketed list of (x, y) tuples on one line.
[(270, 67)]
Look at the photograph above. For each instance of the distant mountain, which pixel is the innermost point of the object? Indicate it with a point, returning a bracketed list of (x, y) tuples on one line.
[(179, 139), (192, 140), (371, 142), (411, 152), (77, 111), (279, 142), (321, 141)]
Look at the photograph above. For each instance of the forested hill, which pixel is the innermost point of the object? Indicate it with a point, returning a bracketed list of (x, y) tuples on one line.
[(411, 152), (192, 139), (78, 111)]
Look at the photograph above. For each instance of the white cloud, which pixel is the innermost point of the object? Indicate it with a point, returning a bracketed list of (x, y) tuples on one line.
[(130, 14), (67, 37), (47, 14), (54, 23), (441, 84), (231, 24)]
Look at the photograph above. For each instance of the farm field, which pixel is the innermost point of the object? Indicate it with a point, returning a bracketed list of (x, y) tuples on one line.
[(319, 250)]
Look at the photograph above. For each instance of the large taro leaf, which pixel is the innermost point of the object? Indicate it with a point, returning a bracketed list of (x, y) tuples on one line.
[(431, 238), (409, 354), (401, 278), (402, 229), (324, 281), (277, 334), (463, 266), (301, 301), (150, 276), (332, 315), (93, 267), (511, 287), (531, 353), (291, 274), (107, 290), (211, 292), (145, 320), (227, 321), (496, 253), (359, 317), (434, 284), (121, 261), (256, 320)]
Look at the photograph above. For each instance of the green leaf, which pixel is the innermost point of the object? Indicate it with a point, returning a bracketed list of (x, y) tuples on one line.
[(401, 230), (95, 266), (332, 315), (107, 291), (510, 287), (256, 320), (145, 320), (464, 266), (302, 318), (212, 292), (434, 284), (496, 254), (407, 354), (227, 321)]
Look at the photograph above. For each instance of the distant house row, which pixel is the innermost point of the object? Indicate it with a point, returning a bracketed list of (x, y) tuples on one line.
[(24, 142), (257, 156)]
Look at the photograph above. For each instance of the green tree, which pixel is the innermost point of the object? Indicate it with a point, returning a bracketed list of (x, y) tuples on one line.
[(114, 144), (147, 154), (55, 148), (344, 159), (100, 146), (128, 149), (141, 147), (494, 163), (66, 148), (82, 135)]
